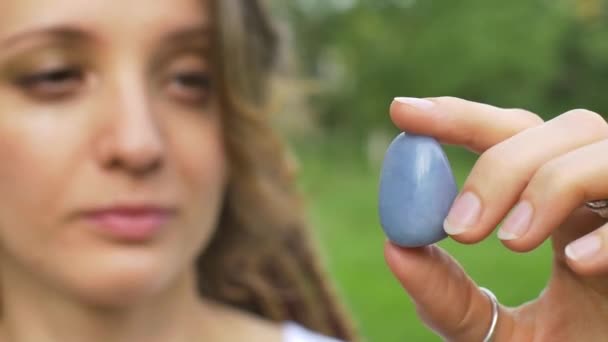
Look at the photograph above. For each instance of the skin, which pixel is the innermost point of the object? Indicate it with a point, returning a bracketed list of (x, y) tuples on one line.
[(102, 104), (553, 168)]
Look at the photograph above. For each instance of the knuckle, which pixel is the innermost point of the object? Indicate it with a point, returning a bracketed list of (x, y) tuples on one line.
[(554, 178), (585, 115), (467, 320), (588, 121), (448, 100), (473, 138), (533, 118), (495, 159)]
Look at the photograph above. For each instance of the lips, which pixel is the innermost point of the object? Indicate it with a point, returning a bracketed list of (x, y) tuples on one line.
[(130, 223)]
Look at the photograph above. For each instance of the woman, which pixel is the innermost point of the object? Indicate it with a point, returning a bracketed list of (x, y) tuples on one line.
[(144, 195)]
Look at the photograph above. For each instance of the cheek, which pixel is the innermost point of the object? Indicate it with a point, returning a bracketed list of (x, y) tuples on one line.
[(39, 151), (200, 159), (201, 155), (36, 153)]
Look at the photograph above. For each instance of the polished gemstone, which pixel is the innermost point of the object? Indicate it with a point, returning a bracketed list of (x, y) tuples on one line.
[(417, 189)]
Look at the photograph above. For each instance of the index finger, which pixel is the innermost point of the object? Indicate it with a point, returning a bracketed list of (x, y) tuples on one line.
[(455, 121)]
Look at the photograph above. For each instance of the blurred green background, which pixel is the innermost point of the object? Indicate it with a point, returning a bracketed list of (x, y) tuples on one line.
[(352, 57)]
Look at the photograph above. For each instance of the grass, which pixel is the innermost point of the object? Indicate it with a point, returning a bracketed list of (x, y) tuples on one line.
[(341, 191)]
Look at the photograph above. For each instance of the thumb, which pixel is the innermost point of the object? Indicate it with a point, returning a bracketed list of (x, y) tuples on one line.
[(446, 299)]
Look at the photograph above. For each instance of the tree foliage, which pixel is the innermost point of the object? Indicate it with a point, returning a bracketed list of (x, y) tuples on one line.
[(544, 55)]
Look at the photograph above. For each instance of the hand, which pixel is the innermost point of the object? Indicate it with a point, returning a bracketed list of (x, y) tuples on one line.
[(540, 172)]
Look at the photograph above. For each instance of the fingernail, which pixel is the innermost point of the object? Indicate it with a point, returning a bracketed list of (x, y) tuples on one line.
[(463, 215), (517, 223), (584, 248), (416, 102)]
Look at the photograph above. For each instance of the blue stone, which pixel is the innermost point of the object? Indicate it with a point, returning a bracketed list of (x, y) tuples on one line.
[(417, 189)]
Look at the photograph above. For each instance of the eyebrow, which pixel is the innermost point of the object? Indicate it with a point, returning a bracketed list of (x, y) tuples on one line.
[(67, 33), (72, 33), (200, 32)]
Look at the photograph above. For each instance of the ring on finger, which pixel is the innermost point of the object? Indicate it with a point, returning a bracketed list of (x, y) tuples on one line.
[(599, 207), (490, 334)]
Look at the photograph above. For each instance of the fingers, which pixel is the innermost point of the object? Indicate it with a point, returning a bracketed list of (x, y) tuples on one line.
[(503, 172), (450, 120), (539, 171), (554, 192), (589, 254), (446, 298)]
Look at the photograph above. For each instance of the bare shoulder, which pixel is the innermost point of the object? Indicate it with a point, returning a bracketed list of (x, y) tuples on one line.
[(232, 324)]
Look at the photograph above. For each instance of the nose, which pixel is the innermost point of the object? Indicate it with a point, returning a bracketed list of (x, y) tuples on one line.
[(133, 140)]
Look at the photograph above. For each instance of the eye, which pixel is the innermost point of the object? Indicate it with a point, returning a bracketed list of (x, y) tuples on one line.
[(190, 86), (198, 80), (53, 84)]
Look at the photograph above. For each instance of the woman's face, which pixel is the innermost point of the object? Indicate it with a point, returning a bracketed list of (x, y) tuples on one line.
[(112, 167)]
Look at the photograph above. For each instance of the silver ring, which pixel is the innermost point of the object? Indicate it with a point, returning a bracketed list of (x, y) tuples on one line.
[(599, 207), (490, 335)]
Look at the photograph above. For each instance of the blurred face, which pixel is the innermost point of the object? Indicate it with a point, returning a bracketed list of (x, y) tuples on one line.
[(112, 167)]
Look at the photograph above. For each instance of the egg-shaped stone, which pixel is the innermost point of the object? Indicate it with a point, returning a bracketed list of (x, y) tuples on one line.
[(417, 189)]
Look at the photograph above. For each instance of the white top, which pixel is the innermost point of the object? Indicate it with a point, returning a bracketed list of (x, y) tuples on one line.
[(293, 332)]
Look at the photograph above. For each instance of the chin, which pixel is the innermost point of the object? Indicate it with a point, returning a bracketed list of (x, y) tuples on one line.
[(123, 278)]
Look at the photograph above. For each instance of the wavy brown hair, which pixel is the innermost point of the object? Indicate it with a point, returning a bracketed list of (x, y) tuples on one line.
[(261, 258)]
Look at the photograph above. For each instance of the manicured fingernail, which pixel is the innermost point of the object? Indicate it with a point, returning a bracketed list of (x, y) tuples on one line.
[(584, 248), (416, 102), (463, 215), (517, 223)]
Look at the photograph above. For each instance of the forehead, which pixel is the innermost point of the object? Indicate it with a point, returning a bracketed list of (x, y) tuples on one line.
[(118, 17)]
